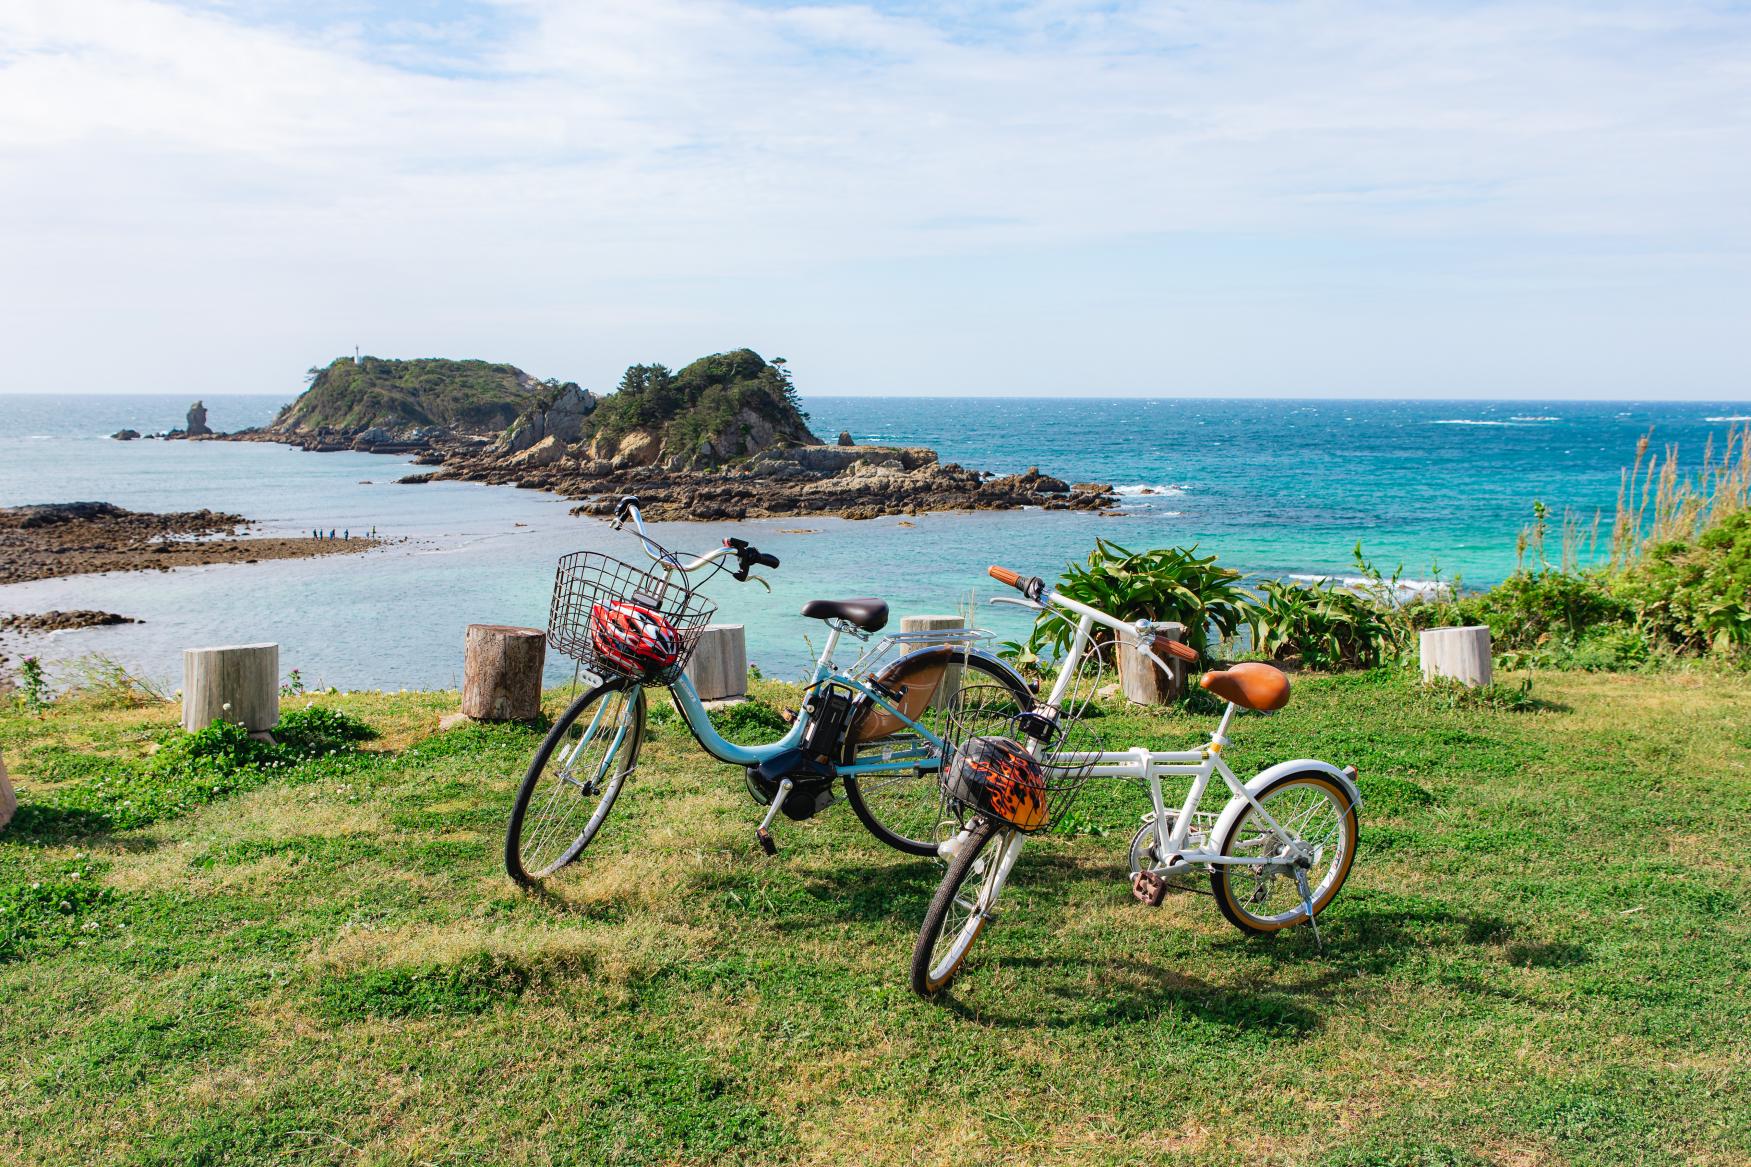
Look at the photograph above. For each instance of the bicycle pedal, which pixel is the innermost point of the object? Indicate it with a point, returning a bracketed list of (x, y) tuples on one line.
[(1149, 888), (767, 843)]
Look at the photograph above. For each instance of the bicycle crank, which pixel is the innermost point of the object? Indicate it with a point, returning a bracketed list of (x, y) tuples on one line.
[(764, 832)]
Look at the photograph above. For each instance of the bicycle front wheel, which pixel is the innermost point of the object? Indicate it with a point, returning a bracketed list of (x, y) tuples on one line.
[(573, 780), (960, 909), (903, 807), (1315, 810)]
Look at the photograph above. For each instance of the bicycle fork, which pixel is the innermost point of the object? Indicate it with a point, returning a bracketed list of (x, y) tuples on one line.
[(1008, 850)]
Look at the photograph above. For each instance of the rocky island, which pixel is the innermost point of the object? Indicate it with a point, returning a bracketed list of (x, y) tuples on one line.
[(722, 438)]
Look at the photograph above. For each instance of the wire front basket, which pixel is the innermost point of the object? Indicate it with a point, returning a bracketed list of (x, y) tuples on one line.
[(617, 620), (1023, 767)]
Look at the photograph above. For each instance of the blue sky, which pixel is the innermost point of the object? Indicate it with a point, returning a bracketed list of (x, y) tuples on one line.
[(1335, 198)]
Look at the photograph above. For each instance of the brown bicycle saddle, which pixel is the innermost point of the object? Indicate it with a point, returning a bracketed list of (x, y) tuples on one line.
[(1250, 685)]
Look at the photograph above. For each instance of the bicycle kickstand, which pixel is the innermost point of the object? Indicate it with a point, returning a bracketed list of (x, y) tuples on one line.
[(1307, 906), (767, 843)]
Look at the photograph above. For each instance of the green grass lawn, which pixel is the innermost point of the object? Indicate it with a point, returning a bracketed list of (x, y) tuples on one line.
[(1543, 955)]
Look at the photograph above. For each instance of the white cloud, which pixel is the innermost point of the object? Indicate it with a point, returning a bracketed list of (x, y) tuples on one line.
[(596, 184)]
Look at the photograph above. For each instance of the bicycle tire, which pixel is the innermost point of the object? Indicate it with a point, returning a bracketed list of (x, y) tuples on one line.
[(1222, 878), (897, 806), (617, 761), (931, 974)]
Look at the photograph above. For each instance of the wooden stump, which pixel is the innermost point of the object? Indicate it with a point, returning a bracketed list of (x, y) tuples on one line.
[(718, 667), (238, 683), (8, 800), (951, 676), (501, 672), (1460, 653), (1141, 680)]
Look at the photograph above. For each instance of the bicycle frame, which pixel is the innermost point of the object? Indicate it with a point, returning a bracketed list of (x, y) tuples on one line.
[(1150, 765), (693, 712), (1144, 764), (692, 709)]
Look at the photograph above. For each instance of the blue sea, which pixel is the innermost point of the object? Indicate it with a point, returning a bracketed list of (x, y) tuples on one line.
[(1273, 487)]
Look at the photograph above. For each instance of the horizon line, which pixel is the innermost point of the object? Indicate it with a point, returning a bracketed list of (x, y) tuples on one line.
[(1078, 395)]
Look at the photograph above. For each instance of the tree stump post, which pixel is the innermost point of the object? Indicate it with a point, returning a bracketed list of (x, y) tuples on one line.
[(238, 683), (8, 800), (1460, 653), (718, 667), (1141, 680), (501, 672), (951, 676)]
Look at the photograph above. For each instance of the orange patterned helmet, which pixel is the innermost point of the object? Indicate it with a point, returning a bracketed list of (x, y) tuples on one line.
[(998, 775)]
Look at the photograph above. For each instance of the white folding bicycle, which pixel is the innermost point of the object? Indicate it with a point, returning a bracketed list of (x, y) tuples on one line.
[(1275, 854)]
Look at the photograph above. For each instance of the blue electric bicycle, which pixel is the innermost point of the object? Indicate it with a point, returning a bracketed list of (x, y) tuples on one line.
[(874, 728)]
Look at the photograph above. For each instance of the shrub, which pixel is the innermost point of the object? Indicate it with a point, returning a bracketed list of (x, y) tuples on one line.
[(751, 721), (1696, 596), (1532, 608)]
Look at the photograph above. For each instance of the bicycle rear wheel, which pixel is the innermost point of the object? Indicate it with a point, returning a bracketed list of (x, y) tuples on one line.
[(959, 911), (574, 780), (1316, 812)]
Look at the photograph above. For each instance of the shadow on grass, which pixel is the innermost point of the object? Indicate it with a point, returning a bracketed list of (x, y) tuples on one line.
[(1058, 997), (1374, 934)]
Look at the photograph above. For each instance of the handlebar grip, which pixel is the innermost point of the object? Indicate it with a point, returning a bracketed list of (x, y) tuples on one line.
[(762, 559), (1175, 648), (1004, 575)]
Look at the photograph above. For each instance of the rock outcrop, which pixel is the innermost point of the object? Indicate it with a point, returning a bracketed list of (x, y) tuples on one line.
[(197, 421), (59, 621), (563, 417)]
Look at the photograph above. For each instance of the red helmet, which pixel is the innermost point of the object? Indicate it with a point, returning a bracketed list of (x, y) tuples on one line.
[(632, 638), (1000, 776)]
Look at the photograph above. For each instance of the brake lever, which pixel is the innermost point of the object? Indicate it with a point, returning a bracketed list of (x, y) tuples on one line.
[(1030, 605), (759, 579)]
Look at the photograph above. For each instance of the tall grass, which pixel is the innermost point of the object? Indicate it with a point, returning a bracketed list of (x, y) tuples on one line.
[(1658, 503)]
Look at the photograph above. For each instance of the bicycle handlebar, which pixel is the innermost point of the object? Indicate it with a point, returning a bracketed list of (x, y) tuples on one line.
[(1034, 588), (748, 556)]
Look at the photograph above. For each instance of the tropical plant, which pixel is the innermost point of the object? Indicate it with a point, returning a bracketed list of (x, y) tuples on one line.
[(1170, 583), (1321, 625)]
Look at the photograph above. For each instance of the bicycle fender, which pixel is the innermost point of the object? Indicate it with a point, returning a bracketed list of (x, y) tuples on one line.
[(1299, 766)]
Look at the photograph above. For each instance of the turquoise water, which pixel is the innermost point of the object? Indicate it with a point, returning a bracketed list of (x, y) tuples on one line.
[(1274, 487)]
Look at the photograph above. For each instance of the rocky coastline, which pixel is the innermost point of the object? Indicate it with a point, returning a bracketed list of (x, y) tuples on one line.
[(721, 439), (81, 538)]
